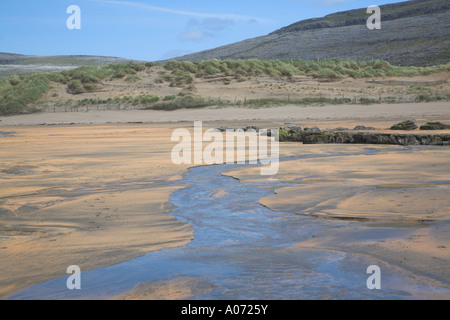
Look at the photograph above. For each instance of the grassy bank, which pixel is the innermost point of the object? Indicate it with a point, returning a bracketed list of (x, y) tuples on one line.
[(328, 69), (18, 94), (21, 94)]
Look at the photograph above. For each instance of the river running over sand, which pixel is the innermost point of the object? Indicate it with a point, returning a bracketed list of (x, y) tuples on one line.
[(243, 250)]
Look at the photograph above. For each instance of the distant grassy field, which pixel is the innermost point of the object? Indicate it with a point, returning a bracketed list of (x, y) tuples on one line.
[(18, 94)]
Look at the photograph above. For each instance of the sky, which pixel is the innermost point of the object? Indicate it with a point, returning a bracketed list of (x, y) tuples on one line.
[(150, 30)]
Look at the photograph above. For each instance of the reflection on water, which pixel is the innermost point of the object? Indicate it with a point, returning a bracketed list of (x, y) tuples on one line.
[(246, 250), (7, 134)]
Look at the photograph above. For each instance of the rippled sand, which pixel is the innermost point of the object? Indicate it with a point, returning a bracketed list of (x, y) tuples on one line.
[(98, 194), (91, 196), (391, 187)]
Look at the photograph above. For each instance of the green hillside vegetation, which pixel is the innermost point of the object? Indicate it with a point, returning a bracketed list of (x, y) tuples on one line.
[(332, 68), (19, 94)]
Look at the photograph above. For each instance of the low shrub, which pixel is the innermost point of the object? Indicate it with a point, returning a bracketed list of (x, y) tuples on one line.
[(17, 96), (185, 102)]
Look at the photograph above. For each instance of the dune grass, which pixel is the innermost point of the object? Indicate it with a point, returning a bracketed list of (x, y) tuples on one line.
[(267, 102), (16, 94), (20, 94), (330, 69), (186, 102)]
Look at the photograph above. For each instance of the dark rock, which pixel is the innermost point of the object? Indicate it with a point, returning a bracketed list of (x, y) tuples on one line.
[(348, 137), (435, 126), (268, 133), (407, 125), (221, 129), (314, 129), (295, 128), (248, 128), (341, 129), (364, 128), (315, 137)]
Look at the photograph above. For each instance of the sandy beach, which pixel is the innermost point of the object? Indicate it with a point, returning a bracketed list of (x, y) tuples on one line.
[(379, 115), (85, 195), (92, 189), (247, 151), (396, 188)]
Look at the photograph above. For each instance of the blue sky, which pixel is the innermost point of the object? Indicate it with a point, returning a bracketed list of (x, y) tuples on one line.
[(150, 30)]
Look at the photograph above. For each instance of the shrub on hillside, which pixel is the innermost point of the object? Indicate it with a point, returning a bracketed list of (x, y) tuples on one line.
[(17, 98)]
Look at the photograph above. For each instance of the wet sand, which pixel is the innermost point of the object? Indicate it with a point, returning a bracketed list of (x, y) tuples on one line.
[(91, 196), (399, 188), (98, 194), (171, 289), (380, 116), (242, 250)]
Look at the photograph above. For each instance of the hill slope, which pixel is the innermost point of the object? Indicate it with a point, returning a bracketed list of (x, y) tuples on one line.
[(25, 65), (72, 60), (413, 33)]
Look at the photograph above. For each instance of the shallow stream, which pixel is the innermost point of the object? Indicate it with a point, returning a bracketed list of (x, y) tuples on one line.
[(246, 251)]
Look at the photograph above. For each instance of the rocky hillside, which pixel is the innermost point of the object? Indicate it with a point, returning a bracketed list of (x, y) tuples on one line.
[(413, 33), (12, 64), (72, 60)]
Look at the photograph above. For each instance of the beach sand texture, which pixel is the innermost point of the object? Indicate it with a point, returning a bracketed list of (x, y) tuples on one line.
[(98, 194), (85, 195)]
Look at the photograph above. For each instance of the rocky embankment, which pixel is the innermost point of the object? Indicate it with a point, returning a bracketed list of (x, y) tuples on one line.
[(366, 138), (366, 135), (361, 134)]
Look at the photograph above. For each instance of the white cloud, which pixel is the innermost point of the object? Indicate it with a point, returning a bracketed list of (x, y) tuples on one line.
[(216, 24), (202, 29), (194, 35), (201, 26), (224, 16)]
